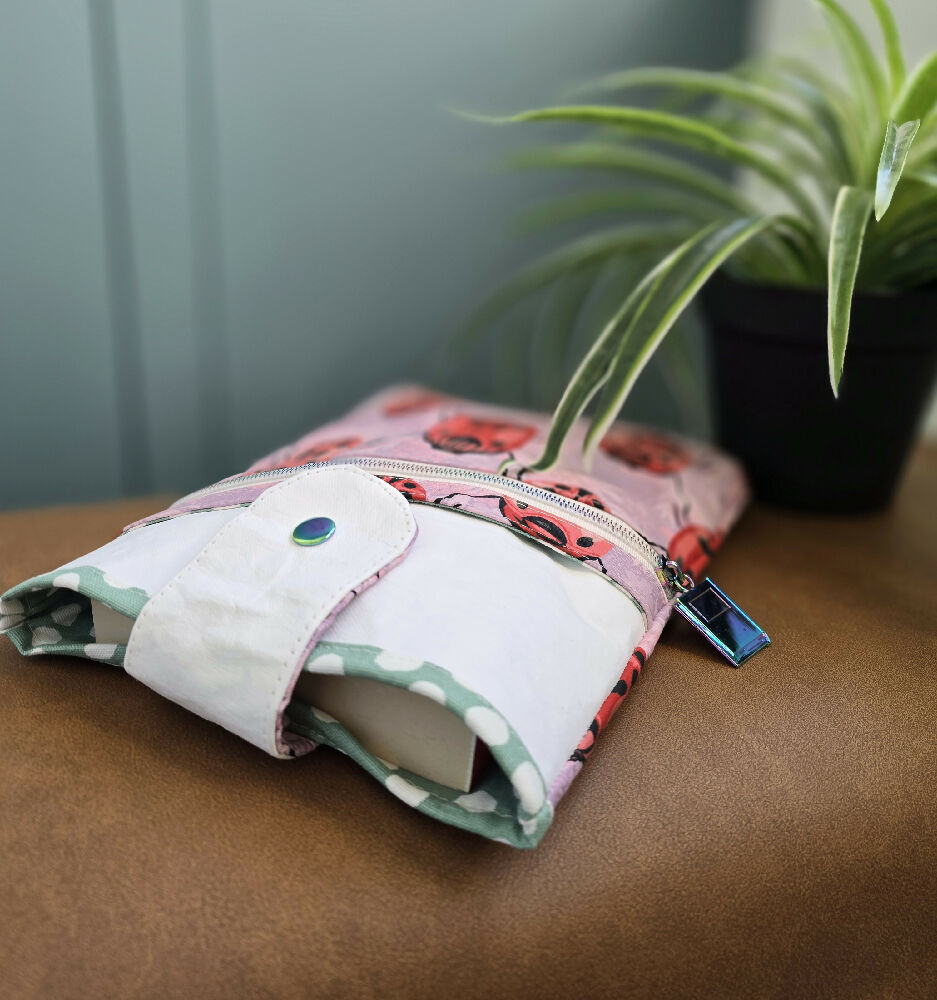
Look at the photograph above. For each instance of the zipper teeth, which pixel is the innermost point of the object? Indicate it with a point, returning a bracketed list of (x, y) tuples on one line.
[(417, 470)]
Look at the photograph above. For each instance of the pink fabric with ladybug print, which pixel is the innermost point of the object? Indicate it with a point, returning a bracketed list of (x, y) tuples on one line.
[(681, 495)]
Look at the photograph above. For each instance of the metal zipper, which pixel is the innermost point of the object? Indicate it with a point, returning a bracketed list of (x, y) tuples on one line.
[(582, 514), (707, 608)]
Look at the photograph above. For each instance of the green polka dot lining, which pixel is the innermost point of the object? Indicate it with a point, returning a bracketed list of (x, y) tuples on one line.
[(52, 614), (509, 804)]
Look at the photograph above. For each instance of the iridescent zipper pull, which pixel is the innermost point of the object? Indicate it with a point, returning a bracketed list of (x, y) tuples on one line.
[(716, 616)]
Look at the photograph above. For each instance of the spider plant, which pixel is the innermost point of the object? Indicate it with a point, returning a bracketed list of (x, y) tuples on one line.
[(850, 169)]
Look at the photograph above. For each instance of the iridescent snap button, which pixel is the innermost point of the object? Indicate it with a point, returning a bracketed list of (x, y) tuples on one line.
[(314, 531)]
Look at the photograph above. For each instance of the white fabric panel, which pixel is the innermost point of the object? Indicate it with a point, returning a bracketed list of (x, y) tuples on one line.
[(542, 637), (148, 557), (225, 636)]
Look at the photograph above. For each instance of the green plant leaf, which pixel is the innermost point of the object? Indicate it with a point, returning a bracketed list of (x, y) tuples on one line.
[(593, 369), (908, 251), (663, 304), (556, 325), (804, 238), (861, 62), (684, 131), (926, 175), (727, 86), (898, 139), (924, 154), (929, 123), (910, 262), (886, 21), (787, 150), (914, 201), (642, 201), (847, 231), (787, 252), (911, 219), (911, 268), (577, 255), (918, 96), (638, 162), (824, 101), (680, 372), (772, 259)]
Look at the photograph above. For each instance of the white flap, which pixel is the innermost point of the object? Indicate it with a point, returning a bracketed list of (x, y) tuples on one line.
[(540, 636), (228, 634)]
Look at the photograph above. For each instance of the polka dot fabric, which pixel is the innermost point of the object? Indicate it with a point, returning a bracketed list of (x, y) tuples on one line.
[(52, 613), (510, 802)]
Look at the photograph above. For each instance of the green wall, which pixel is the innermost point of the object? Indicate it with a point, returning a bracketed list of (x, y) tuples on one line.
[(225, 222)]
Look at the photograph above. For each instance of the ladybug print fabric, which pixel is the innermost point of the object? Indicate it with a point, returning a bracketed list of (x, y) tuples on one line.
[(546, 527), (411, 489), (646, 450), (617, 695), (693, 546), (550, 528), (659, 483), (463, 433)]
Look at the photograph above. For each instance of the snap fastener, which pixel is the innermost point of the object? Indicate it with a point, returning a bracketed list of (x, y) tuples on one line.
[(314, 531)]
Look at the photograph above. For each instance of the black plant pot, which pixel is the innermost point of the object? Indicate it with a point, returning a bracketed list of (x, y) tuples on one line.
[(774, 407)]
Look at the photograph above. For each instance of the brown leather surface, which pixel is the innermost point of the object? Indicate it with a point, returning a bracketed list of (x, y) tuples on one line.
[(763, 832)]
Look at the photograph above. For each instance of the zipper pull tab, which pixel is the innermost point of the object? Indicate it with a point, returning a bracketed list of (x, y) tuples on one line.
[(715, 615)]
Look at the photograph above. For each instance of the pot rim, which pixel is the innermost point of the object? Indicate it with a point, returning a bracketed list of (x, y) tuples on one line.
[(881, 321)]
